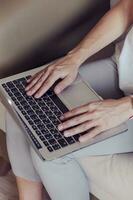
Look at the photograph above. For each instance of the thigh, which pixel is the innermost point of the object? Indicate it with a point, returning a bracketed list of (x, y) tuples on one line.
[(63, 178), (102, 75), (19, 151)]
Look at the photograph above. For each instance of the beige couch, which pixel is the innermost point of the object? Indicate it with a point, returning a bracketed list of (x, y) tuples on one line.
[(35, 32)]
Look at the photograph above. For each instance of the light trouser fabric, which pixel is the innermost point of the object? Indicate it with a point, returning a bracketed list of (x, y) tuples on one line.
[(64, 178)]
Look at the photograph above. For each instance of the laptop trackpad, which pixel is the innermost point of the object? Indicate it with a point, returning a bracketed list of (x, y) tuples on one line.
[(78, 94)]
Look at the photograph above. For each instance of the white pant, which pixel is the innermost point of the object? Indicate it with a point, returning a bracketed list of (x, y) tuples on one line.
[(64, 178)]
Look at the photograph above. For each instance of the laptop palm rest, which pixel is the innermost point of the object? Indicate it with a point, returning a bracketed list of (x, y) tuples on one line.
[(78, 94)]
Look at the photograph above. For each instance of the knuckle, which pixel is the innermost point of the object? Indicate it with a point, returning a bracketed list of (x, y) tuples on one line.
[(91, 106), (33, 81), (41, 79), (95, 114), (46, 82), (50, 68), (65, 124), (74, 111), (77, 120), (98, 121), (58, 67), (85, 126)]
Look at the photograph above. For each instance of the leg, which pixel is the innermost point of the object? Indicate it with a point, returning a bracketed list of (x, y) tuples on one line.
[(103, 77), (63, 178), (28, 181), (67, 174)]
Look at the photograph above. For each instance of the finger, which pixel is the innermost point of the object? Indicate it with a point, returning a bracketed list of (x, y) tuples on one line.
[(91, 134), (39, 83), (80, 129), (62, 85), (46, 85), (74, 112), (75, 121), (33, 80)]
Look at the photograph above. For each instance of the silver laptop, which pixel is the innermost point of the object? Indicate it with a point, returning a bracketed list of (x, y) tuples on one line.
[(39, 118)]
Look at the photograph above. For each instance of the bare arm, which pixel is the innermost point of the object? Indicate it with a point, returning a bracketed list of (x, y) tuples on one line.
[(108, 29), (113, 24)]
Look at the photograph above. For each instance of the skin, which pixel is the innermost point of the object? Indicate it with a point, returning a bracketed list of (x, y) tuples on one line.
[(29, 190), (67, 68), (101, 115)]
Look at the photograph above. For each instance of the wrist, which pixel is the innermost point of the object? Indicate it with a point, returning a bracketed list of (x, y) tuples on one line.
[(79, 55)]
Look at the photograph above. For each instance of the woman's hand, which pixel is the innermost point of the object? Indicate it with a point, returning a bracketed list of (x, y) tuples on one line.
[(98, 116), (65, 68)]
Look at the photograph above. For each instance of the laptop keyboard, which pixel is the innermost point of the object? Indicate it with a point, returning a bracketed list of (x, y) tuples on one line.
[(42, 114)]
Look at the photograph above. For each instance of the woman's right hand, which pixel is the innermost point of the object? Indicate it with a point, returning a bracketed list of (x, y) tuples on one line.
[(65, 68)]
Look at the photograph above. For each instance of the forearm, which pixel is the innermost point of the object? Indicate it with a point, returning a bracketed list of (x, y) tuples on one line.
[(108, 29)]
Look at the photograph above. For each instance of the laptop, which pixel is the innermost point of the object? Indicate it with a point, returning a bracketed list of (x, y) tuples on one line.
[(39, 118)]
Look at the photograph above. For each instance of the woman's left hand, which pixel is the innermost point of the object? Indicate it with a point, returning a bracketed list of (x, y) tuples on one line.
[(96, 117)]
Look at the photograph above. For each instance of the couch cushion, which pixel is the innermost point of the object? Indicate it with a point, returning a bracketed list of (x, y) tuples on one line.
[(26, 23), (111, 177)]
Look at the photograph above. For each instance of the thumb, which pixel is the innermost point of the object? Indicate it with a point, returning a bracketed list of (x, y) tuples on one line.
[(63, 84)]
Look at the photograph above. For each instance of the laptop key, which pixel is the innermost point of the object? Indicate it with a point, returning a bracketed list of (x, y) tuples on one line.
[(46, 120), (37, 121), (45, 143), (49, 126), (10, 94), (13, 98), (52, 141), (30, 122), (53, 131), (20, 98), (27, 117), (70, 140), (7, 90), (41, 137), (62, 142), (34, 117), (44, 131), (27, 107), (35, 107), (48, 136), (57, 136), (76, 137), (38, 133), (50, 149), (30, 112), (39, 112), (10, 85), (23, 103), (14, 90), (17, 103), (18, 95), (20, 108), (56, 146)]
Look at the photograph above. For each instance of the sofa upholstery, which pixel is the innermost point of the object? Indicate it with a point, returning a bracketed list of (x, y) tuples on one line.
[(33, 33)]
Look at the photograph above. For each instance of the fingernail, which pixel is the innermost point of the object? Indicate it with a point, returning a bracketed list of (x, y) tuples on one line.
[(28, 93), (26, 89), (60, 127), (62, 117), (37, 96), (66, 134)]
